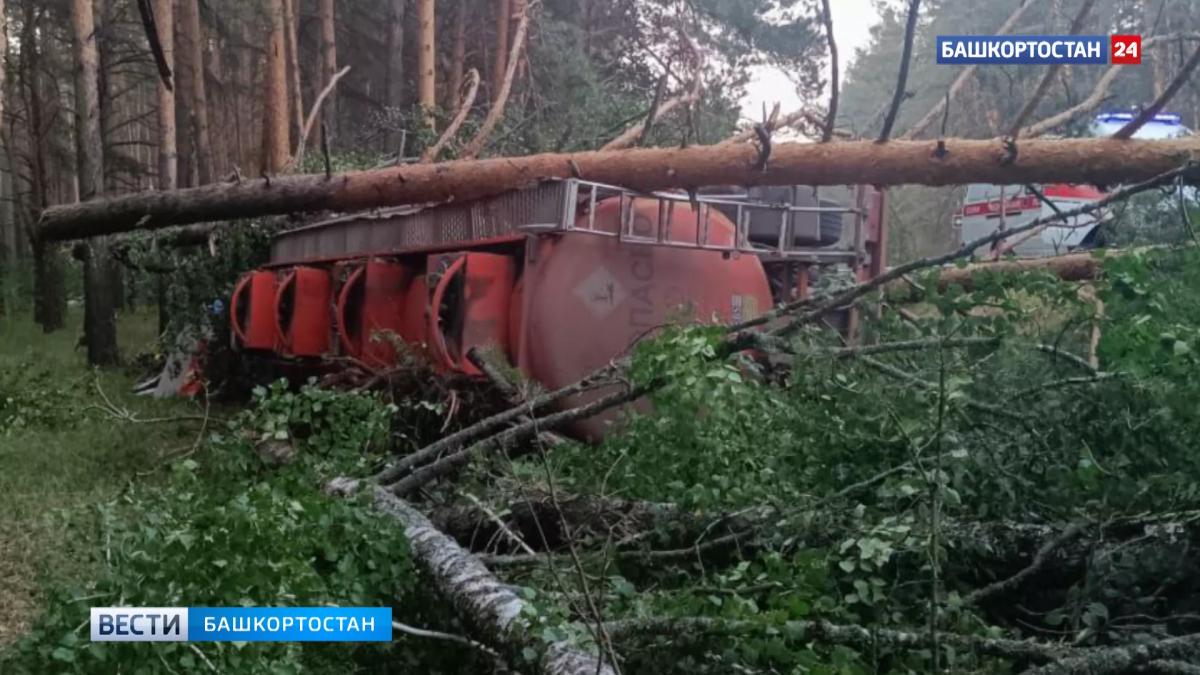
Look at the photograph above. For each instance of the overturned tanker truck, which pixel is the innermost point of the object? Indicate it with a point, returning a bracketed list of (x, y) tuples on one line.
[(561, 277)]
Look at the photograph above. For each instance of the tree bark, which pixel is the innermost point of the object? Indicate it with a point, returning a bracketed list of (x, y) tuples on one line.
[(427, 60), (3, 54), (50, 302), (500, 60), (476, 593), (1072, 267), (458, 56), (325, 13), (187, 171), (193, 53), (168, 154), (276, 136), (395, 70), (100, 326), (290, 14), (1158, 55), (1102, 161)]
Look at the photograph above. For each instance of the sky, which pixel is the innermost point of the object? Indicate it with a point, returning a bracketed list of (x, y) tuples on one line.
[(852, 21)]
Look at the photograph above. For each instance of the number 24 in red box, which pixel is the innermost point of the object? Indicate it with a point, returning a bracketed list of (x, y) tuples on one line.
[(1126, 49)]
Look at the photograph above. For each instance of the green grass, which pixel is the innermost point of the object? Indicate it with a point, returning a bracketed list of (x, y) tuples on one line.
[(62, 456)]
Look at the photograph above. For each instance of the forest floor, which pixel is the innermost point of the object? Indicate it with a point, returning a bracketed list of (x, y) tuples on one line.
[(77, 462)]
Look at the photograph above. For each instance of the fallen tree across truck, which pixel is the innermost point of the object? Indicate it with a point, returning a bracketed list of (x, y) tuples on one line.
[(1102, 161)]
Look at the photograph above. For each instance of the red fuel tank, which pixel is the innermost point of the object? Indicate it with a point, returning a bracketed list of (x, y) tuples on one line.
[(302, 306), (372, 302), (587, 298), (252, 311)]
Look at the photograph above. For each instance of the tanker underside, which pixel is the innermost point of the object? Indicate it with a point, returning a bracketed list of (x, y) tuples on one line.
[(559, 278)]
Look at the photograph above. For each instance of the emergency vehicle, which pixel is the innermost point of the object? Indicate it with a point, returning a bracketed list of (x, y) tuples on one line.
[(987, 207)]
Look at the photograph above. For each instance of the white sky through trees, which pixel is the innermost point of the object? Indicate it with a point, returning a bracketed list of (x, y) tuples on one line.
[(852, 21)]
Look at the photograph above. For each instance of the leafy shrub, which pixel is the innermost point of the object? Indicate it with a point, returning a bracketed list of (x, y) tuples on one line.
[(29, 399), (215, 535)]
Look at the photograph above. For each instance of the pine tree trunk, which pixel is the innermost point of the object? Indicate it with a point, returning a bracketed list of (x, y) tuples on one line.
[(8, 243), (3, 53), (1159, 55), (1102, 161), (458, 57), (168, 155), (329, 63), (395, 71), (187, 171), (192, 54), (100, 326), (427, 60), (293, 62), (500, 60), (50, 301), (276, 139)]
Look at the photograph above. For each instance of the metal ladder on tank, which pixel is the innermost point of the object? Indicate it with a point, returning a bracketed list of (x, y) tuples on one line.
[(848, 252)]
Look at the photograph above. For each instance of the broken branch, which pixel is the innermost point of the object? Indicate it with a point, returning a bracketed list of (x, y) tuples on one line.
[(451, 131), (514, 57), (963, 77), (312, 115), (1044, 86)]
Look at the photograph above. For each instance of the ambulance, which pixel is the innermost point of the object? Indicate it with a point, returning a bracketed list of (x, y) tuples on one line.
[(987, 207)]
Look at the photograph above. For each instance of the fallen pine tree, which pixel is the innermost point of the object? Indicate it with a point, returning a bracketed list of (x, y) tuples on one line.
[(1072, 267), (953, 161), (1081, 266)]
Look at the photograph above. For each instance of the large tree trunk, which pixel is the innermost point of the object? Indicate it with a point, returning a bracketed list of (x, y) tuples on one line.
[(500, 60), (329, 62), (3, 54), (290, 13), (187, 170), (8, 239), (100, 326), (458, 57), (193, 54), (168, 154), (1071, 267), (50, 302), (276, 138), (1158, 55), (395, 69), (1104, 161), (426, 60)]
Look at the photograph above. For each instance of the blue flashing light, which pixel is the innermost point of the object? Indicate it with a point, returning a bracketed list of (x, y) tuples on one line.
[(1161, 118)]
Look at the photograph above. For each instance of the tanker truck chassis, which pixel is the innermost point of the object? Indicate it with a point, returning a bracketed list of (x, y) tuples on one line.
[(560, 277)]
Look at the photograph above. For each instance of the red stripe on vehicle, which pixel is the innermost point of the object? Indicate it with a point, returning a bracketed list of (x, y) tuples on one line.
[(1012, 206), (1072, 191)]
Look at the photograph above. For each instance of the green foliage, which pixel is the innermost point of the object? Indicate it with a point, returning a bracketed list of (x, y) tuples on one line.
[(994, 433), (29, 399), (220, 533)]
